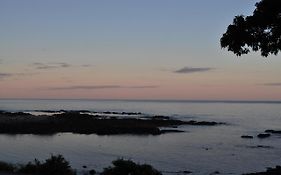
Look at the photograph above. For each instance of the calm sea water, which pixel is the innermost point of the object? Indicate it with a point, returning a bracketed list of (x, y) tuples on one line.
[(201, 149)]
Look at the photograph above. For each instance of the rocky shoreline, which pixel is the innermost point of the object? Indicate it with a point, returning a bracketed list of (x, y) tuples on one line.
[(84, 123)]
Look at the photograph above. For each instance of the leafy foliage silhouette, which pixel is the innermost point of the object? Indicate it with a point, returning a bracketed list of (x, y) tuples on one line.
[(259, 32), (7, 167), (128, 167), (55, 165)]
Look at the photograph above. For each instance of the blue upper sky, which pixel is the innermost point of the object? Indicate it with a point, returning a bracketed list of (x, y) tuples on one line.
[(137, 25)]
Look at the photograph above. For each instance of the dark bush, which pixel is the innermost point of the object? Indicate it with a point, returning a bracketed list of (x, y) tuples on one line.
[(128, 167), (55, 165), (30, 167), (6, 167), (92, 172)]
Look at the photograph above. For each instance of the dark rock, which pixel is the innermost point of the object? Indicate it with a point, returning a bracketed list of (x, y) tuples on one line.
[(247, 137), (121, 113), (261, 146), (131, 113), (178, 172), (269, 171), (84, 111), (50, 111), (269, 131), (170, 131), (92, 172), (15, 114), (186, 172), (264, 146), (202, 123), (216, 172), (273, 131), (160, 117), (84, 166), (75, 122), (263, 135)]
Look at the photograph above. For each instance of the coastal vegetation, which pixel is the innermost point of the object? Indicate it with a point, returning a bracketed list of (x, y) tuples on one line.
[(128, 167), (57, 165), (258, 32)]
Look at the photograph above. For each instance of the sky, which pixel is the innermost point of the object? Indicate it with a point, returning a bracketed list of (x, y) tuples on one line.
[(129, 49)]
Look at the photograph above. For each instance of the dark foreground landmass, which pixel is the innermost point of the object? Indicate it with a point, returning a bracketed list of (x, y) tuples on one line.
[(77, 122), (57, 165)]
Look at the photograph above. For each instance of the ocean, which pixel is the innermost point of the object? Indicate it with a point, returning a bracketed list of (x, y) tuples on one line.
[(200, 149)]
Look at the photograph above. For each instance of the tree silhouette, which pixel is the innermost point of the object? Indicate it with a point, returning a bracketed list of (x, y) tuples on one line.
[(259, 32)]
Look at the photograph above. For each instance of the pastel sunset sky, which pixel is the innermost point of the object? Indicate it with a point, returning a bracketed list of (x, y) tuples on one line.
[(129, 49)]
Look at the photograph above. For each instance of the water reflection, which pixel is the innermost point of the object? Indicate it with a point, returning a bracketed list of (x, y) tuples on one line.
[(202, 150)]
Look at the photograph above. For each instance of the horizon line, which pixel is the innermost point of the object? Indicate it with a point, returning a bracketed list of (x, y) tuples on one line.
[(156, 100)]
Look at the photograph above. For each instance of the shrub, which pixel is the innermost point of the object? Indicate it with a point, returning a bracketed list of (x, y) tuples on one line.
[(7, 167), (30, 167), (128, 167), (92, 172), (55, 165)]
